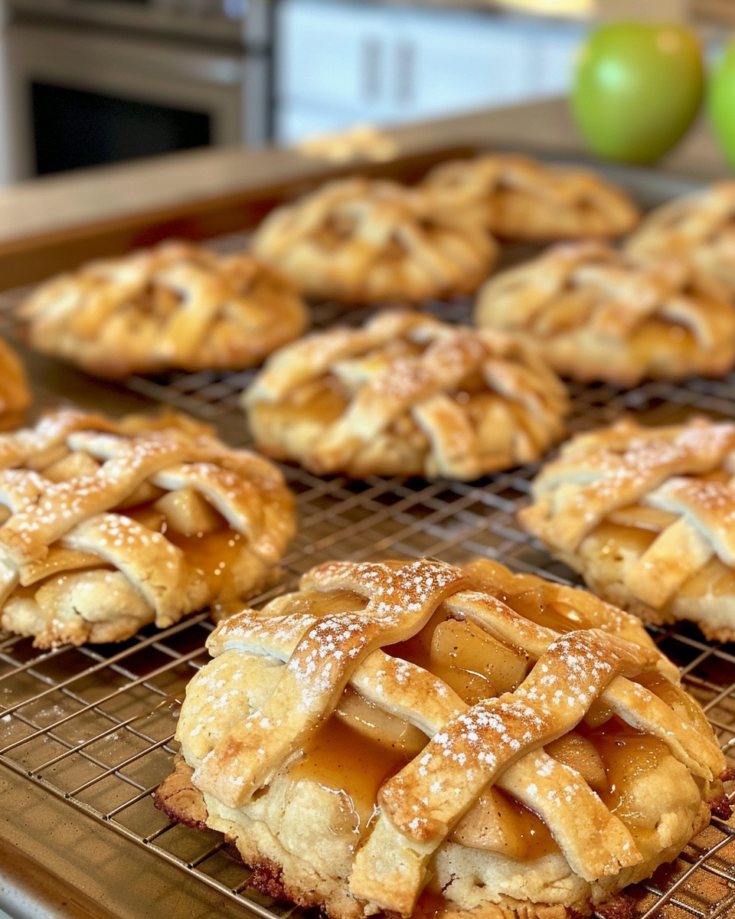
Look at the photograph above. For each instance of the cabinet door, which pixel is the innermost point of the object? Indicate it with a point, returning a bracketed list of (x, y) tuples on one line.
[(557, 58), (332, 54), (448, 61)]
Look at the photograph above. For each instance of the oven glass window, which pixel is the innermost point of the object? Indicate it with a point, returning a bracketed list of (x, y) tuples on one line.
[(72, 128)]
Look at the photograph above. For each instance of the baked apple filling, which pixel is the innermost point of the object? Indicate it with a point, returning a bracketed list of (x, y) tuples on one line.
[(110, 526), (417, 739)]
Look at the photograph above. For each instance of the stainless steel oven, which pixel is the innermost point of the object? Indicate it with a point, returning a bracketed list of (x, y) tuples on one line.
[(96, 81)]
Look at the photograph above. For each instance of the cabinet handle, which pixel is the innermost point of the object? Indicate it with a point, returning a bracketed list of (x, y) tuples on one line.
[(370, 75), (405, 71)]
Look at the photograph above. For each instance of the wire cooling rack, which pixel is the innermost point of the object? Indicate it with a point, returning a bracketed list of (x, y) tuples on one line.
[(94, 726)]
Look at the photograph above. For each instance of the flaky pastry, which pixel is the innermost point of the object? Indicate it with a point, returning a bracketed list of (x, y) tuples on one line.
[(359, 241), (108, 526), (175, 307), (525, 200), (406, 395), (414, 739), (598, 315), (646, 515), (699, 227)]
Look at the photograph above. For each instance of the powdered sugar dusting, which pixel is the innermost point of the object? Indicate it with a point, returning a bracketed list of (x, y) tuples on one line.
[(475, 746)]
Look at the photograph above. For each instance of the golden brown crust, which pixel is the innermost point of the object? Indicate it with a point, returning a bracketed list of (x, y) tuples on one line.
[(644, 515), (359, 241), (525, 200), (178, 306), (597, 315), (543, 736), (699, 227), (179, 800), (108, 526), (406, 395)]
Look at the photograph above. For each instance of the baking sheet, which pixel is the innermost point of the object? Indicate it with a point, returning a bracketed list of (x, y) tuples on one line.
[(86, 734)]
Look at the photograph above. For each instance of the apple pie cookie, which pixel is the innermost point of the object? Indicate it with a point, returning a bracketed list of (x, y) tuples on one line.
[(108, 526), (527, 201), (15, 396), (175, 307), (699, 227), (406, 395), (415, 739), (645, 514), (597, 315), (359, 241)]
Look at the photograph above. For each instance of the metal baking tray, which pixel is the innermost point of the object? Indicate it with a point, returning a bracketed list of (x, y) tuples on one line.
[(86, 734)]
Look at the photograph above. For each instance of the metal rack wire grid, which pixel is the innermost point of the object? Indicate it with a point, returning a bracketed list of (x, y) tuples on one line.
[(95, 725)]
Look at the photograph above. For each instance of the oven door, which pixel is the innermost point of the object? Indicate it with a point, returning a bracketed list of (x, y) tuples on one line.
[(79, 97)]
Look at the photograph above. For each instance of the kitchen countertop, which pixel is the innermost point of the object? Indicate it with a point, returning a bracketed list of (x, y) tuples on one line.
[(53, 222)]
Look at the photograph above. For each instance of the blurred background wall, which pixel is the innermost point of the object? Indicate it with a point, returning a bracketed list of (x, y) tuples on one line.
[(84, 82)]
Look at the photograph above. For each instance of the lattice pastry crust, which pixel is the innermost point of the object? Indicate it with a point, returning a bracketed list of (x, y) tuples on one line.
[(15, 396), (597, 315), (360, 241), (525, 200), (110, 525), (646, 515), (419, 740), (699, 227), (178, 306), (406, 395)]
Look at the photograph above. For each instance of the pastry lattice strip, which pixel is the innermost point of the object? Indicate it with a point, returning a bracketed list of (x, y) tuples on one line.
[(402, 366), (67, 489), (699, 227), (497, 740), (620, 294), (177, 305), (583, 202), (360, 240), (605, 475)]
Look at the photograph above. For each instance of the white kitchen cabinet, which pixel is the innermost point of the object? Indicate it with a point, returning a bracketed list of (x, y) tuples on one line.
[(340, 62), (334, 55), (557, 53), (449, 60)]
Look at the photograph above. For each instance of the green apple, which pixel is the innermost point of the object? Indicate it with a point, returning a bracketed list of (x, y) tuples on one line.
[(721, 103), (637, 88)]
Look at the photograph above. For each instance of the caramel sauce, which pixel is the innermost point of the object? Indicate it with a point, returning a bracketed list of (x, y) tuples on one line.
[(626, 755), (655, 336), (500, 823), (216, 553), (597, 714), (341, 758), (553, 614), (612, 538), (326, 403), (430, 904), (473, 383)]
